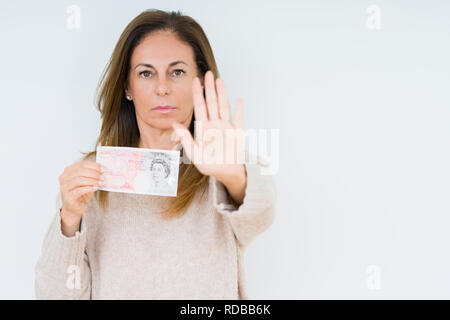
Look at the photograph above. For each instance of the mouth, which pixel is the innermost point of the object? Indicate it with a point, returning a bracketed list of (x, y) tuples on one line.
[(164, 109)]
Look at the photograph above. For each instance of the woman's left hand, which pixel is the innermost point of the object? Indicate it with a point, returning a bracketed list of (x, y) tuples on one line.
[(215, 157)]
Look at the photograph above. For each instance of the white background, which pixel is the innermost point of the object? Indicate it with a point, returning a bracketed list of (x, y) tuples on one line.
[(364, 133)]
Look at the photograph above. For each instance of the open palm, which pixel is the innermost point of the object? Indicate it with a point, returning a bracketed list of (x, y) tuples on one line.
[(211, 151)]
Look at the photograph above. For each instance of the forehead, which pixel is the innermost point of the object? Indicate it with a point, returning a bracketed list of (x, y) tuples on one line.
[(161, 48)]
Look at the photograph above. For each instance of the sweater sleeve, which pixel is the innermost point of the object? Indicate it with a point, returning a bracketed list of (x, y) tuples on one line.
[(62, 270), (257, 212)]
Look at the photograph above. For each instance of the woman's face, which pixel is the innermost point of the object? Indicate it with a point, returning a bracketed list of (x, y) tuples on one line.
[(158, 172), (154, 80)]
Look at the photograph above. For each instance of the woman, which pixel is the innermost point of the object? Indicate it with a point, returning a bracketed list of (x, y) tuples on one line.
[(132, 246)]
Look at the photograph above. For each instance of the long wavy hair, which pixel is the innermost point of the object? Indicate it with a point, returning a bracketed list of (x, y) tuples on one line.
[(119, 126)]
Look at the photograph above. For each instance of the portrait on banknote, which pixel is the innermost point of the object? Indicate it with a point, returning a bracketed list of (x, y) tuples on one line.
[(140, 170)]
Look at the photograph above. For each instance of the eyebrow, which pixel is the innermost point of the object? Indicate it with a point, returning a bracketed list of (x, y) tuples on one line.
[(151, 66)]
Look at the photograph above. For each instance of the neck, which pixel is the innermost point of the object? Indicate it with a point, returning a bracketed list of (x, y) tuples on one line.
[(157, 139)]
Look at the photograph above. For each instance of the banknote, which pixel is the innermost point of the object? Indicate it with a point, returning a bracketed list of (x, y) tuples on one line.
[(139, 170)]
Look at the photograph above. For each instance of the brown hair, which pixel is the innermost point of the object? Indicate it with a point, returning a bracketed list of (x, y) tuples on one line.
[(119, 125)]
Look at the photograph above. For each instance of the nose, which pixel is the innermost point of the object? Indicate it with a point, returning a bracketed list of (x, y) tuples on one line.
[(162, 91), (162, 88)]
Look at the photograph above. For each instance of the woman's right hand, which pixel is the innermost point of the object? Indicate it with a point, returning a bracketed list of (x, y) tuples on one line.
[(78, 183)]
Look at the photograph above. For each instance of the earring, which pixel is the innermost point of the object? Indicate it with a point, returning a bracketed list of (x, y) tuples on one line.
[(129, 97)]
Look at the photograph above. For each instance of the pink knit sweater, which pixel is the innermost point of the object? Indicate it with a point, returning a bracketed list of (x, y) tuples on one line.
[(131, 253)]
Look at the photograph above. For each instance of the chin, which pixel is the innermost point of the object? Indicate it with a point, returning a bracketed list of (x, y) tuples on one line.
[(162, 123)]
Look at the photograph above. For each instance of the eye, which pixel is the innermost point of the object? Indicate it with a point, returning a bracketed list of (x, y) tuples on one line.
[(146, 72), (179, 70)]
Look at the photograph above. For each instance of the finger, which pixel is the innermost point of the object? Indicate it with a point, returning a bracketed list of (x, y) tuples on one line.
[(84, 172), (224, 106), (91, 165), (199, 101), (81, 172), (83, 164), (239, 114), (81, 182), (211, 96), (83, 190), (189, 145)]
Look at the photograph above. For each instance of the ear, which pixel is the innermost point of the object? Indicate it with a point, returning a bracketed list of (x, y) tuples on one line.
[(127, 88)]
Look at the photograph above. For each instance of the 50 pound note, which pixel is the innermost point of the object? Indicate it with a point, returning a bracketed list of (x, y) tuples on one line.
[(139, 170)]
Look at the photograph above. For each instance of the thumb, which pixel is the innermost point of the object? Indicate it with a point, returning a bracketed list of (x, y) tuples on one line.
[(186, 139)]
